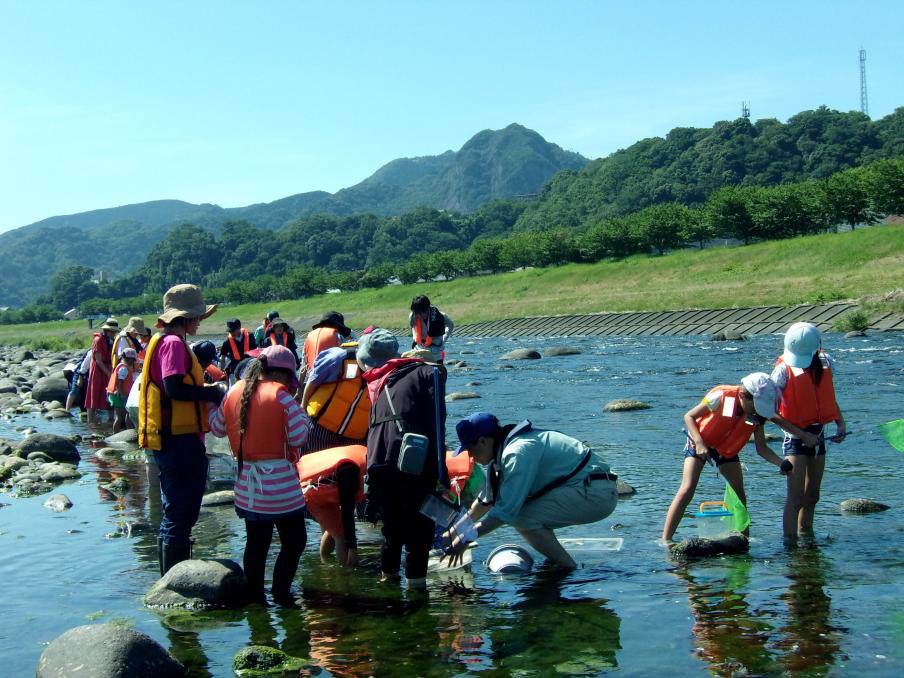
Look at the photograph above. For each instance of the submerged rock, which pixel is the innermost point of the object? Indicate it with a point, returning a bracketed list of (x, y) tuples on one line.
[(623, 488), (696, 547), (261, 660), (521, 354), (220, 498), (461, 395), (625, 405), (854, 334), (58, 503), (561, 350), (127, 438), (728, 335), (200, 584), (862, 506), (106, 651)]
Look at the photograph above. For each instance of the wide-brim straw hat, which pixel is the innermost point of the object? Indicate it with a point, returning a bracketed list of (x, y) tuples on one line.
[(136, 325), (110, 324), (184, 301)]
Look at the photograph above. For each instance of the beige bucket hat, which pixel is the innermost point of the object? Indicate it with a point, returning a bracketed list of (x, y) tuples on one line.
[(184, 301), (110, 324), (136, 325)]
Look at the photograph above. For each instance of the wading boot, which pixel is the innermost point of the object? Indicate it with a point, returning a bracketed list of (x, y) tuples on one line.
[(172, 554)]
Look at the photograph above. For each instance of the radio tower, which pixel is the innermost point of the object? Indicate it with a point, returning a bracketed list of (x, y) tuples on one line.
[(864, 103), (745, 109)]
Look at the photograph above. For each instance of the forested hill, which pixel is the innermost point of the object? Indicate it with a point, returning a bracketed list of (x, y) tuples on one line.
[(493, 164), (689, 164)]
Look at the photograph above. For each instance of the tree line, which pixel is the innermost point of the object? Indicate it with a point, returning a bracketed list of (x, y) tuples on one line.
[(248, 264)]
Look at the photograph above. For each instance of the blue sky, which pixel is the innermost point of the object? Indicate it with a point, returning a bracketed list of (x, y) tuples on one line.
[(111, 103)]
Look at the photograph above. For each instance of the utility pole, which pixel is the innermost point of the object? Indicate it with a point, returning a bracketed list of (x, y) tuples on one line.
[(864, 103)]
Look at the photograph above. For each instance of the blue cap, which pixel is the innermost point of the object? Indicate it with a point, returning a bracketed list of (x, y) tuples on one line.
[(471, 428), (802, 340)]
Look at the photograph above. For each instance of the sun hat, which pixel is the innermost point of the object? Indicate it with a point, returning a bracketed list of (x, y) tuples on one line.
[(764, 392), (136, 324), (335, 320), (471, 428), (129, 353), (279, 357), (377, 348), (110, 324), (184, 301), (424, 354), (276, 320), (802, 340)]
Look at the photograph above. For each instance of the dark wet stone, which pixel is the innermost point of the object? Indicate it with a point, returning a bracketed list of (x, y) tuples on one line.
[(263, 660), (7, 386), (505, 367), (24, 355), (200, 584), (854, 334), (623, 488), (728, 335), (119, 487), (220, 498), (474, 383), (50, 388), (625, 405), (521, 354), (106, 651), (561, 350), (695, 547), (862, 506), (461, 395), (58, 503), (58, 447)]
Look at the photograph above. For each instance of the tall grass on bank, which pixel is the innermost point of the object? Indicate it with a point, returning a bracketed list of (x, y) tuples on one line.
[(867, 263)]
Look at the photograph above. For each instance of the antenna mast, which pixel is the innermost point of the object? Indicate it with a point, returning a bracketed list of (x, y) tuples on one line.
[(745, 109), (864, 103)]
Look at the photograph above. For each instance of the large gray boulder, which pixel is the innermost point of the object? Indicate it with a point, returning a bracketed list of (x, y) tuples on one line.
[(862, 506), (625, 405), (50, 388), (57, 447), (220, 498), (521, 354), (106, 651), (127, 438), (200, 585), (560, 350)]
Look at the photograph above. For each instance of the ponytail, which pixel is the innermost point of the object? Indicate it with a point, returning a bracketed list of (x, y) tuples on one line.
[(252, 378), (816, 368)]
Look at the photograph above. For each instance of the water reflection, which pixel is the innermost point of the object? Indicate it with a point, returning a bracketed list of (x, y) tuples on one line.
[(811, 642), (730, 635)]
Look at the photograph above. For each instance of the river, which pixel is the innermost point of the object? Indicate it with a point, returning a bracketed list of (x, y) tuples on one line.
[(834, 608)]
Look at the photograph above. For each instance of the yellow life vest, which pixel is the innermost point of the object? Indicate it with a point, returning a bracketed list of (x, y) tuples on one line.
[(343, 406), (158, 414)]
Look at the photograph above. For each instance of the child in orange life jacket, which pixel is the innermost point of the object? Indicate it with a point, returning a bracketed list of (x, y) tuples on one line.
[(803, 376), (118, 388), (717, 429), (266, 427), (206, 353)]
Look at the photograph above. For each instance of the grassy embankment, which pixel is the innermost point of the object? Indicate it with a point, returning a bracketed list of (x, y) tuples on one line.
[(813, 269)]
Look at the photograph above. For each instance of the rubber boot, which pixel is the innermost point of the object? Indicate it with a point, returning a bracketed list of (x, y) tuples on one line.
[(174, 553), (160, 555)]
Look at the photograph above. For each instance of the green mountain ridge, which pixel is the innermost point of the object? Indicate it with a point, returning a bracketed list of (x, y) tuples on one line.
[(493, 164)]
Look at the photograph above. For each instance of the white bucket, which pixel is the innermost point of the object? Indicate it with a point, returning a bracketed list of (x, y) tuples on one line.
[(510, 559)]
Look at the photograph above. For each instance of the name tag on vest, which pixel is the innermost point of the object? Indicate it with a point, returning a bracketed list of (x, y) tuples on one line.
[(351, 371), (728, 403)]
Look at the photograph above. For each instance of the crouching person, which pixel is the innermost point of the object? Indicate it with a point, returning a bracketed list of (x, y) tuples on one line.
[(538, 481)]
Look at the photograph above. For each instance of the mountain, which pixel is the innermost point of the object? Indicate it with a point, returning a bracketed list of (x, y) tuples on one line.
[(492, 164)]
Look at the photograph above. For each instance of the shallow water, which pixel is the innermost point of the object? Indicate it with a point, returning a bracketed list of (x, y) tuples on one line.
[(834, 608)]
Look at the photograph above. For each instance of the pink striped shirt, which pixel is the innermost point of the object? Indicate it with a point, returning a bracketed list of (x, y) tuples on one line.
[(270, 486)]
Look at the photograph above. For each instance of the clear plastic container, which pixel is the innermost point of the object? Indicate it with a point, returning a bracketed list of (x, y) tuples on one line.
[(713, 520)]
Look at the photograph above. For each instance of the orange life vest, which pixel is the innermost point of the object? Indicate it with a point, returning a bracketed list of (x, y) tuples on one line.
[(343, 406), (318, 469), (279, 340), (246, 345), (319, 340), (265, 428), (126, 383), (459, 469), (803, 402), (215, 373), (727, 429)]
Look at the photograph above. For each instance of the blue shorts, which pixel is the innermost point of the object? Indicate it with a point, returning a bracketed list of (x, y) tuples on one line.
[(795, 446), (714, 456)]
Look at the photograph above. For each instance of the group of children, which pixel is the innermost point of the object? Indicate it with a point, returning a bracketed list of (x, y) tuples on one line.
[(799, 397)]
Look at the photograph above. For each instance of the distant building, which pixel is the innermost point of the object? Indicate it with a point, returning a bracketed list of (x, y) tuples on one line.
[(71, 314)]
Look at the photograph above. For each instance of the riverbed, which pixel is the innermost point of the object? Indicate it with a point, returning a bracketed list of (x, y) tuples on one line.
[(831, 608)]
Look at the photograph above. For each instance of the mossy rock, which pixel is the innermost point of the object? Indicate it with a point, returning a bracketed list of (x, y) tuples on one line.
[(625, 405), (696, 547), (261, 660), (862, 506)]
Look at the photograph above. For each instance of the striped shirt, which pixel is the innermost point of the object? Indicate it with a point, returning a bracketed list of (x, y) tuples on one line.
[(271, 486)]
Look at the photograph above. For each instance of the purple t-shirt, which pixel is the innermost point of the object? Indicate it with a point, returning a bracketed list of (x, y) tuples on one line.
[(170, 358)]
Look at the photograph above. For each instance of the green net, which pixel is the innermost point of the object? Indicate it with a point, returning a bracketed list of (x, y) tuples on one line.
[(893, 432), (740, 519)]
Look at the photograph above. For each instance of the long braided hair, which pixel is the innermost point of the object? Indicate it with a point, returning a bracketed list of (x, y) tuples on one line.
[(252, 379)]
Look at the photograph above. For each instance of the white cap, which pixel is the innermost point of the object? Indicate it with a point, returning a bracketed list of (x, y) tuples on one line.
[(802, 340), (765, 394)]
